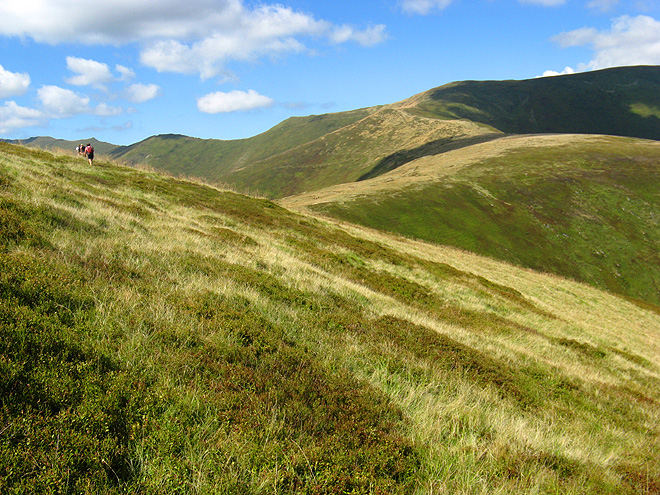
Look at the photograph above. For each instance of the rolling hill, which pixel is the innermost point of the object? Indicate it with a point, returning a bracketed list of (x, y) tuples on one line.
[(581, 206), (623, 101), (561, 207), (165, 336), (309, 153)]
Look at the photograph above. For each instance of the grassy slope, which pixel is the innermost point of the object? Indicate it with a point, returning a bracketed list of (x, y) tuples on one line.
[(213, 159), (586, 208), (385, 139), (621, 101), (310, 153), (307, 153), (48, 143), (160, 336)]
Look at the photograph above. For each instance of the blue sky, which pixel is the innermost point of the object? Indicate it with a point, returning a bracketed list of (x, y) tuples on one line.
[(124, 70)]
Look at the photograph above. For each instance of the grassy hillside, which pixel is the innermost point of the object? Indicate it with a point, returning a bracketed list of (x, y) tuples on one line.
[(49, 143), (379, 142), (623, 101), (309, 153), (213, 159), (317, 151), (585, 207), (161, 336)]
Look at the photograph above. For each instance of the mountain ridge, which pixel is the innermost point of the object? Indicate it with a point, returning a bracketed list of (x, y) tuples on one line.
[(287, 159)]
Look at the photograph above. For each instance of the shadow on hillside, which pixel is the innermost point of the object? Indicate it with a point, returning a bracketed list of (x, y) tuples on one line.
[(436, 147)]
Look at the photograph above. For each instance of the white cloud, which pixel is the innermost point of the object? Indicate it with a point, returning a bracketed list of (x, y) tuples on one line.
[(423, 7), (55, 103), (59, 102), (116, 22), (233, 101), (567, 70), (105, 110), (265, 31), (196, 36), (88, 73), (369, 37), (126, 73), (139, 93), (171, 56), (13, 117), (13, 83), (631, 41)]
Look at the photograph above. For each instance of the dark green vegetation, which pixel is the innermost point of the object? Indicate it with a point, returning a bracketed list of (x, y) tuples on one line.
[(161, 336), (620, 102), (589, 211)]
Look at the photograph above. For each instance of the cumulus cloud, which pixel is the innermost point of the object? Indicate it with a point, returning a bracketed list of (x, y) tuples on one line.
[(139, 93), (196, 36), (631, 41), (268, 30), (12, 83), (59, 102), (88, 73), (368, 37), (13, 117), (126, 73), (105, 110), (117, 22), (232, 101)]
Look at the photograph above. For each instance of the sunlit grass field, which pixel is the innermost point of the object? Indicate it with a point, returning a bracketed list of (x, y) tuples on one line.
[(584, 207), (162, 336)]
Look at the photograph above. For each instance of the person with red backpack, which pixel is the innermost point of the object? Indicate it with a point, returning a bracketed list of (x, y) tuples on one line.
[(89, 151)]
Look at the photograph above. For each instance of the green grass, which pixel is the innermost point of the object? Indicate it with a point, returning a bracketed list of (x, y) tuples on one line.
[(588, 212), (216, 160), (618, 101), (164, 336), (309, 153)]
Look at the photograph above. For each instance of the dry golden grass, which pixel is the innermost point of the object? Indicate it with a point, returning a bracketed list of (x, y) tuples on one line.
[(474, 432)]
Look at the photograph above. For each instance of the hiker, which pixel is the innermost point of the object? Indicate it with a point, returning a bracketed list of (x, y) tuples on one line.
[(89, 151)]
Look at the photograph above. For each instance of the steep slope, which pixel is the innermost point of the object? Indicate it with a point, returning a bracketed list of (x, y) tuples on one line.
[(160, 336), (585, 207)]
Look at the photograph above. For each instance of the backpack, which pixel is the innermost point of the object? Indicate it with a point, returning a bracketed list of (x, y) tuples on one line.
[(89, 149)]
